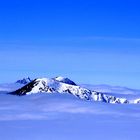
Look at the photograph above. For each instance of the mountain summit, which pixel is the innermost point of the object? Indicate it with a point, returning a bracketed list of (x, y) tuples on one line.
[(24, 81), (57, 85), (64, 80)]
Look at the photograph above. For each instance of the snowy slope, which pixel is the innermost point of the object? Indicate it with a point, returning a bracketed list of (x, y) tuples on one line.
[(64, 80), (45, 85)]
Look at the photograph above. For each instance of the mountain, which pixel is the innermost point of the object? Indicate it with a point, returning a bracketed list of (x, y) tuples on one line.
[(64, 80), (9, 87), (45, 85), (24, 81)]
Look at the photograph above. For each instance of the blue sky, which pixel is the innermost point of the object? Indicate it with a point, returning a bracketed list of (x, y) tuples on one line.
[(96, 42)]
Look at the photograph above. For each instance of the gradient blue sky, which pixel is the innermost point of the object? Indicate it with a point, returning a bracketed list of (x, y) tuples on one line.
[(95, 42)]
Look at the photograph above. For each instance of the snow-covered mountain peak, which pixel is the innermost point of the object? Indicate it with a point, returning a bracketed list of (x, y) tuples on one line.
[(64, 80), (46, 85), (24, 81), (59, 78)]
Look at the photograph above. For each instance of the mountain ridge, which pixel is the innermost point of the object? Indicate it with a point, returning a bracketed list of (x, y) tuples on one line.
[(24, 81), (45, 85)]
